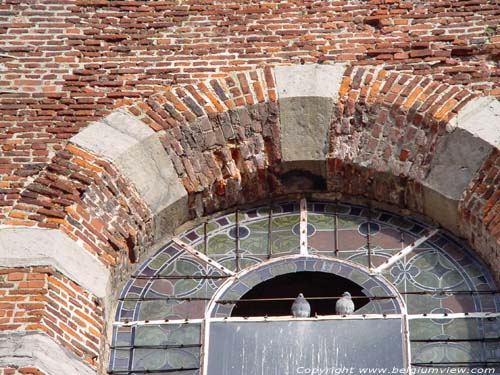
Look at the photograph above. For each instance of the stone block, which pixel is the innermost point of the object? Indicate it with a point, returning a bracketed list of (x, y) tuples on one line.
[(34, 349), (309, 80), (307, 94), (24, 247), (137, 152)]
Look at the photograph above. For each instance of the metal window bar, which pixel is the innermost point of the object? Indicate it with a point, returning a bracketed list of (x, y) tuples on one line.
[(455, 364), (270, 232), (179, 277), (336, 234), (237, 227), (484, 339), (293, 299), (179, 346), (472, 315), (128, 372), (368, 244), (189, 299), (205, 237), (436, 292), (135, 323), (452, 292)]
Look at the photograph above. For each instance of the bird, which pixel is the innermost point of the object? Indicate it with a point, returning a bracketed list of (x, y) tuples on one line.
[(344, 305), (300, 307)]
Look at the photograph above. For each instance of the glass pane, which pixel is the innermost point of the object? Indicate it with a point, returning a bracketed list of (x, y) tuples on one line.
[(157, 347), (460, 342), (166, 359), (294, 347), (168, 334), (253, 235), (178, 288)]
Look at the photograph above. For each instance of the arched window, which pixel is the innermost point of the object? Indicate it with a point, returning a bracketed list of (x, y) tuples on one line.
[(216, 299)]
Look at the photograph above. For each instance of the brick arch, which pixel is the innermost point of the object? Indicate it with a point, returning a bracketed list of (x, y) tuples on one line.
[(411, 141), (126, 182), (417, 143)]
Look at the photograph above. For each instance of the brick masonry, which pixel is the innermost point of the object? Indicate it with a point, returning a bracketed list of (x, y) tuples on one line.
[(85, 197), (21, 371), (37, 298), (385, 133), (65, 63), (480, 209), (201, 77), (222, 136)]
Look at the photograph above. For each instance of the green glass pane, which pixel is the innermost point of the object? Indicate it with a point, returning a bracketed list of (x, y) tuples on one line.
[(161, 359), (321, 222), (255, 244), (285, 242), (121, 359), (422, 329), (158, 261), (344, 222), (287, 222), (220, 244), (175, 334), (155, 310), (259, 225)]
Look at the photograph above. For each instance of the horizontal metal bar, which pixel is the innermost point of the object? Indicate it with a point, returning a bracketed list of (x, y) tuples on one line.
[(479, 315), (189, 299), (289, 318), (180, 346), (131, 323), (152, 371), (437, 292), (457, 364), (193, 277), (452, 292), (319, 317), (293, 299), (484, 339)]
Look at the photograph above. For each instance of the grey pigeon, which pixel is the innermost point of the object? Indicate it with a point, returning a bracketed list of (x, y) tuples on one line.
[(300, 307), (344, 305)]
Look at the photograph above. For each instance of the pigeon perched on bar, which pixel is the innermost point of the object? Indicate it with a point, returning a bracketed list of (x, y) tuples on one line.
[(300, 307), (344, 305)]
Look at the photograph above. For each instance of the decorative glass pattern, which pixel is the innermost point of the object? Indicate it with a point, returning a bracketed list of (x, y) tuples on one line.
[(464, 342), (252, 243), (440, 276), (172, 285), (162, 347)]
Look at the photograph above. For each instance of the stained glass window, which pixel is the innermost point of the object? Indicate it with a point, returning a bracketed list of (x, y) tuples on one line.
[(411, 273)]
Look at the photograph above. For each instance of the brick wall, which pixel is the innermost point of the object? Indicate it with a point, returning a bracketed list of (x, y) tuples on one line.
[(480, 209), (222, 136), (390, 122), (86, 198), (37, 298), (65, 63), (199, 73), (21, 371)]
